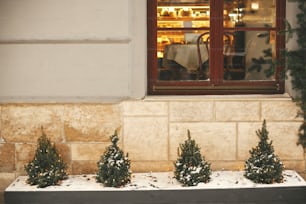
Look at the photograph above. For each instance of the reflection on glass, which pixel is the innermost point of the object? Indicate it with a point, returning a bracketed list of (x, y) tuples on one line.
[(249, 55), (260, 55), (234, 55), (254, 12), (250, 52)]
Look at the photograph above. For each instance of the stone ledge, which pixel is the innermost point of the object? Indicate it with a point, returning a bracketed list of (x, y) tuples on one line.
[(6, 179)]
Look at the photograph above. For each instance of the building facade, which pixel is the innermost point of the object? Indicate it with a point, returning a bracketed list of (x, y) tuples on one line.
[(79, 69)]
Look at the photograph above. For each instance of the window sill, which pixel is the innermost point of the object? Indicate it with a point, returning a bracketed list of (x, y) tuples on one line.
[(268, 97)]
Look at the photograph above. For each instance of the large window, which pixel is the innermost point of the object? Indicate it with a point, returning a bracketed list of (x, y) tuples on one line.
[(215, 46)]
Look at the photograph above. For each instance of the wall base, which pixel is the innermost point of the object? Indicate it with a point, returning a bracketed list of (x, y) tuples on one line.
[(279, 195)]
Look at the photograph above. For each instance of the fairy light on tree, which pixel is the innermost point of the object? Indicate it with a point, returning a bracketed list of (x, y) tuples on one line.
[(264, 166), (113, 166), (47, 167), (191, 168)]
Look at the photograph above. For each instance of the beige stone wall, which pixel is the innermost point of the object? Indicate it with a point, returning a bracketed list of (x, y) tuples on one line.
[(224, 128), (150, 131)]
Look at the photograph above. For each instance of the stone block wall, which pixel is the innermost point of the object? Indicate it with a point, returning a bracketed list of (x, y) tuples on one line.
[(150, 130), (224, 128)]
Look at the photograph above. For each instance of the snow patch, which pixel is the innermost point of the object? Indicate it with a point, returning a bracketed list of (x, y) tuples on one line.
[(157, 181)]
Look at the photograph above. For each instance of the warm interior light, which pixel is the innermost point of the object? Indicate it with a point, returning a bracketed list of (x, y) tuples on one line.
[(160, 54), (254, 6), (171, 9), (183, 7)]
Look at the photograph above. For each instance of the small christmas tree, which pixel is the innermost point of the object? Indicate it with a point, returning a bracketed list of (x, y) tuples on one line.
[(191, 168), (113, 167), (47, 168), (264, 166)]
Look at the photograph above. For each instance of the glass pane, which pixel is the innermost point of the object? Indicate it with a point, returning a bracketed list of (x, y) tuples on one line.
[(249, 55), (252, 13), (260, 55), (183, 14), (180, 54), (180, 49)]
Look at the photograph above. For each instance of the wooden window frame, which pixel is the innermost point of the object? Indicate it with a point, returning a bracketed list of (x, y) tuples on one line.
[(215, 85)]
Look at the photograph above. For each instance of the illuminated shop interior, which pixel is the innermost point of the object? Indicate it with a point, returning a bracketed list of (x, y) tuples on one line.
[(248, 33)]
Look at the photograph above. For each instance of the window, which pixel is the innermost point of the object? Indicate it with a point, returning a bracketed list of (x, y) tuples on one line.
[(215, 46)]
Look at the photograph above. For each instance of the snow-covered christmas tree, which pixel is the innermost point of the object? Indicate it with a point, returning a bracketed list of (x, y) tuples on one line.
[(191, 168), (113, 166), (47, 168), (264, 166)]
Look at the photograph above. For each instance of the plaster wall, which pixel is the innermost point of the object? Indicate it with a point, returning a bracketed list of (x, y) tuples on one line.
[(72, 50)]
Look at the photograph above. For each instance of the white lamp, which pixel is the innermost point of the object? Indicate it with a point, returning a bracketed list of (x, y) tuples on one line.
[(254, 6)]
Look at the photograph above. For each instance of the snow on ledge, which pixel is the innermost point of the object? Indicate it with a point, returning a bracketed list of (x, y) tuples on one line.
[(157, 181)]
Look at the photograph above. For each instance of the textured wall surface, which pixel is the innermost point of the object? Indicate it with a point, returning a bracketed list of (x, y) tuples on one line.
[(54, 51), (72, 50), (150, 131)]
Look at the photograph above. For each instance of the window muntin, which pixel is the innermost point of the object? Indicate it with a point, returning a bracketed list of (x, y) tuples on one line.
[(239, 34)]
